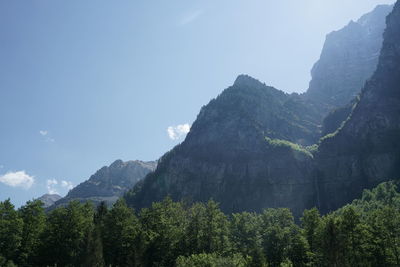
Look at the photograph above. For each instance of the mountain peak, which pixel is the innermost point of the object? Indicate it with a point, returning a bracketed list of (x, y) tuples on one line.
[(349, 58), (117, 164), (248, 81), (373, 18), (49, 199), (110, 183)]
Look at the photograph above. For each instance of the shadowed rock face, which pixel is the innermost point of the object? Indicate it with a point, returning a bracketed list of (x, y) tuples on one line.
[(349, 57), (236, 155), (227, 157), (366, 151), (110, 183)]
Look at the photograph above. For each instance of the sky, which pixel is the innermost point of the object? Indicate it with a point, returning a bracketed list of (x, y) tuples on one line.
[(83, 83)]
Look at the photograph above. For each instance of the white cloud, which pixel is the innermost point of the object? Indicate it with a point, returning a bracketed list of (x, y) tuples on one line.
[(47, 136), (191, 16), (17, 179), (176, 132), (54, 186), (51, 184), (67, 184)]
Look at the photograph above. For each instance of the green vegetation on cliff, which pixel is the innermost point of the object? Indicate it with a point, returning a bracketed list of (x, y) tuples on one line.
[(296, 147)]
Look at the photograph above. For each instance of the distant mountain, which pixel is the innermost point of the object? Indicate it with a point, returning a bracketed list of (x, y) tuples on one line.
[(349, 57), (248, 149), (110, 183), (49, 199)]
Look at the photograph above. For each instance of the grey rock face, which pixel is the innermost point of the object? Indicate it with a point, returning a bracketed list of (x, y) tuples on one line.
[(238, 150), (226, 156), (250, 104), (349, 57), (110, 183), (366, 151), (49, 199)]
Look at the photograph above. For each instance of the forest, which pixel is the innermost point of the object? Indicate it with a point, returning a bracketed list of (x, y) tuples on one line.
[(363, 233)]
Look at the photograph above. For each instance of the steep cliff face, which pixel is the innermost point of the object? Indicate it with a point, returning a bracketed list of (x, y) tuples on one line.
[(336, 118), (349, 57), (366, 150), (244, 149), (234, 153), (110, 183), (250, 104)]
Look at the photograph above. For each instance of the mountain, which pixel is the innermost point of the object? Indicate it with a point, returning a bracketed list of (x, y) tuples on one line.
[(248, 149), (241, 152), (349, 57), (49, 199), (366, 149), (110, 183)]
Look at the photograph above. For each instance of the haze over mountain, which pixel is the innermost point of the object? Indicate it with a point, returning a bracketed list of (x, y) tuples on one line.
[(49, 199), (247, 148), (109, 183), (366, 149), (348, 58)]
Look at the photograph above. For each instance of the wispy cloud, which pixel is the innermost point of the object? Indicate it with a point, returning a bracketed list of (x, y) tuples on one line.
[(54, 186), (178, 131), (67, 184), (51, 186), (47, 136), (190, 17), (17, 179)]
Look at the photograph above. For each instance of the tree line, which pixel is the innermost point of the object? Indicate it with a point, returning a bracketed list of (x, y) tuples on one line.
[(363, 233)]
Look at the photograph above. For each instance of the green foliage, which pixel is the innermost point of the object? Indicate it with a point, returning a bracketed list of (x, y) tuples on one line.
[(121, 231), (363, 233), (163, 232), (212, 260), (288, 144), (64, 239), (310, 222), (94, 249), (6, 263), (281, 239), (328, 136), (246, 229), (11, 226), (312, 149), (207, 230), (33, 217)]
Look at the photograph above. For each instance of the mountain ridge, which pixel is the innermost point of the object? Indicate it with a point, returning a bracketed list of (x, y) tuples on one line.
[(110, 182), (349, 57), (248, 149)]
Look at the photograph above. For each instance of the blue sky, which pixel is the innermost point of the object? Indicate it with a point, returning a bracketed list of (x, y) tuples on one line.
[(83, 83)]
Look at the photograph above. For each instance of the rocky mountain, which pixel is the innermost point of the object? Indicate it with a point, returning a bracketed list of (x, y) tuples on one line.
[(110, 183), (49, 199), (240, 151), (349, 57), (248, 149), (366, 149)]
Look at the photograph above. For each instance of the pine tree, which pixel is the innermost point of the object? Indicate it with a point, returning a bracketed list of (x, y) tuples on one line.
[(34, 218), (11, 226), (120, 235)]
